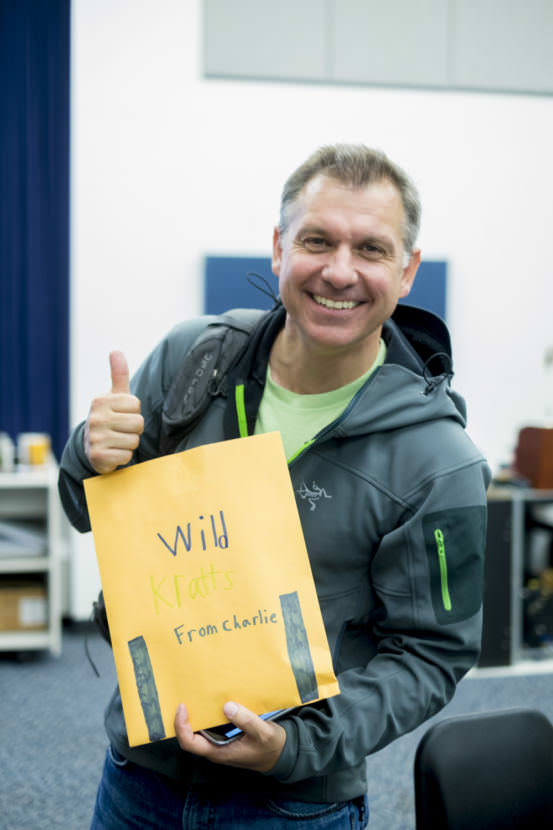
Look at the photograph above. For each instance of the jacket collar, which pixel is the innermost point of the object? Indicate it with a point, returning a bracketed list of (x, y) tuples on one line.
[(413, 337)]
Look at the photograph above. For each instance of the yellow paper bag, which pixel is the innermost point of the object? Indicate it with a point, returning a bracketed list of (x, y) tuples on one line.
[(208, 587)]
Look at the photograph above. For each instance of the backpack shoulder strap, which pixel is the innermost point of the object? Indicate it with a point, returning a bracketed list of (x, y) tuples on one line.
[(202, 375)]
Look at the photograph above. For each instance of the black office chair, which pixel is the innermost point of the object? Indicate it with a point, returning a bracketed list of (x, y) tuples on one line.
[(489, 771)]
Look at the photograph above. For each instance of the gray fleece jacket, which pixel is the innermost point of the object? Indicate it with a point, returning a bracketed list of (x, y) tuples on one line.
[(392, 501)]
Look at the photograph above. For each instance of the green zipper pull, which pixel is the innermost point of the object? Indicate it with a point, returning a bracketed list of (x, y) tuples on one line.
[(440, 544)]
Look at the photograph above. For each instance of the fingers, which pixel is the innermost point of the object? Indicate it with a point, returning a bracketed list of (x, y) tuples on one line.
[(188, 740), (258, 749), (110, 443), (119, 373), (114, 424)]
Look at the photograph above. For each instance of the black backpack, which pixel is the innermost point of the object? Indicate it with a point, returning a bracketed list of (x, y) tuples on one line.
[(202, 377)]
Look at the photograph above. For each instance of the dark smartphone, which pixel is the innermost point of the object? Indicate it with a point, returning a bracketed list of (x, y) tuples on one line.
[(228, 732)]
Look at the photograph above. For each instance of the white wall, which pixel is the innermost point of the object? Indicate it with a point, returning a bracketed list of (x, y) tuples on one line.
[(167, 166)]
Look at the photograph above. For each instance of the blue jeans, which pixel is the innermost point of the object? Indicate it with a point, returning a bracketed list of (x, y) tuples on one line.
[(130, 796)]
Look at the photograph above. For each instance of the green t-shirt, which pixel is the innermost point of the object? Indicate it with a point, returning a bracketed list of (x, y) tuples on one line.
[(300, 417)]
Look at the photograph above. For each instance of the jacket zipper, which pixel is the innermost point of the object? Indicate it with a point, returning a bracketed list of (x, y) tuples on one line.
[(243, 421), (239, 399), (331, 427), (440, 545)]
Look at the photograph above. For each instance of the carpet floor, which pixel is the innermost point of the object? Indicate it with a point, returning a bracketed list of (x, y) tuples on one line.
[(52, 740)]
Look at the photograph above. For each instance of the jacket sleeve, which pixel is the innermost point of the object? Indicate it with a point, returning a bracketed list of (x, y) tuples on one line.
[(150, 384), (428, 578)]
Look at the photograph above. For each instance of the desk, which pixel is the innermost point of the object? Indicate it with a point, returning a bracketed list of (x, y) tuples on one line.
[(502, 636)]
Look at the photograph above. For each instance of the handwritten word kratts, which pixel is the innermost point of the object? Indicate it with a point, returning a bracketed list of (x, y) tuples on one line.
[(168, 590), (233, 623)]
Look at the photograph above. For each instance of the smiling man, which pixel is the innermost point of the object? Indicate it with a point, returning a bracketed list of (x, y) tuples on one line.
[(342, 266), (391, 495)]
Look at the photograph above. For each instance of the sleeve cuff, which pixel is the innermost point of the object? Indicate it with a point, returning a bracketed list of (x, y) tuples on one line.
[(287, 761)]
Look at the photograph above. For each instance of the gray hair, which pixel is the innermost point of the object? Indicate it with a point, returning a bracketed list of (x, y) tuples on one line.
[(356, 166)]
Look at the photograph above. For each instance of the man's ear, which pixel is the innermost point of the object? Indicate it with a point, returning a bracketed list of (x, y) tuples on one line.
[(409, 273), (277, 252)]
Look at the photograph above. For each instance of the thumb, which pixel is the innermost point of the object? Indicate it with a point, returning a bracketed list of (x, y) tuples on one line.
[(119, 372), (242, 717)]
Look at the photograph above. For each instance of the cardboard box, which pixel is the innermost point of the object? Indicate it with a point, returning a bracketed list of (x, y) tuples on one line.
[(23, 606)]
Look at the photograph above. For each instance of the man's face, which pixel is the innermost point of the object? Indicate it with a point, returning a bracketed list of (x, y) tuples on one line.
[(340, 264)]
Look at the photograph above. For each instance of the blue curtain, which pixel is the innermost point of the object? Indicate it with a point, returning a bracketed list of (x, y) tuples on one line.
[(34, 217)]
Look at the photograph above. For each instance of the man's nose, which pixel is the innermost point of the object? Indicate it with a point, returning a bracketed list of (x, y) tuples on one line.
[(339, 269)]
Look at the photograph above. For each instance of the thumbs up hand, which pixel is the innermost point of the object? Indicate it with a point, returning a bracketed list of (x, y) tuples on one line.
[(114, 424)]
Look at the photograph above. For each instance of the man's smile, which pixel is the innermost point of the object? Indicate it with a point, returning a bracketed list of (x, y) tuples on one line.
[(334, 304)]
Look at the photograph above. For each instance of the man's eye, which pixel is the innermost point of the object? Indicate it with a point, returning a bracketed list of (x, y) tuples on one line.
[(315, 243), (371, 251)]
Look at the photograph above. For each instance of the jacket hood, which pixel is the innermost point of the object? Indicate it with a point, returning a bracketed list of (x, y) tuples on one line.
[(413, 385)]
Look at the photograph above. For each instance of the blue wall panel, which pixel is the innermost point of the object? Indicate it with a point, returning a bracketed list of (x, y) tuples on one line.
[(227, 286)]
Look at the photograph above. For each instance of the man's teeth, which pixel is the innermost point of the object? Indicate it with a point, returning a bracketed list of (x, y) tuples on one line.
[(339, 304)]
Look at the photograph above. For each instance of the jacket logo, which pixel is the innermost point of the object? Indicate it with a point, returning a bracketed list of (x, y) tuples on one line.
[(313, 494)]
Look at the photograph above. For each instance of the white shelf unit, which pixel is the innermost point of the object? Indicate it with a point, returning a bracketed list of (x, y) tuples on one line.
[(28, 494)]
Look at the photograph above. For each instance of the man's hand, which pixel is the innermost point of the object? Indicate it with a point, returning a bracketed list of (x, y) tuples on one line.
[(258, 749), (114, 424)]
